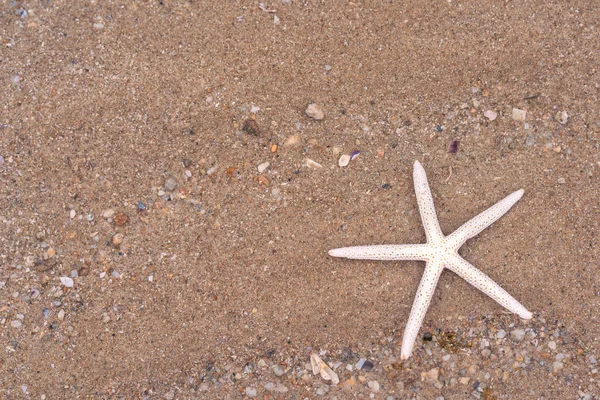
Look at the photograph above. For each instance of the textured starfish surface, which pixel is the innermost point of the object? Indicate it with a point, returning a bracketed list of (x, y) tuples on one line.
[(439, 252)]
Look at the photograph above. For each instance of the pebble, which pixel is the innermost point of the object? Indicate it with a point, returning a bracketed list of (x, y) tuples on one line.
[(251, 392), (530, 141), (322, 391), (170, 184), (518, 114), (251, 127), (277, 370), (313, 164), (552, 345), (291, 141), (277, 388), (431, 375), (557, 365), (16, 323), (61, 314), (262, 167), (490, 115), (367, 366), (517, 335), (374, 385), (562, 117), (501, 334), (117, 239), (108, 213), (72, 214), (66, 281), (561, 181), (314, 111), (486, 353), (344, 160), (360, 363)]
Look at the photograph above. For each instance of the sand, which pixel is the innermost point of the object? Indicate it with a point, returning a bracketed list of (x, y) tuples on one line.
[(130, 139)]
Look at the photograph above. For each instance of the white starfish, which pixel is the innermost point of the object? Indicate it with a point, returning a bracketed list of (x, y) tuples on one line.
[(439, 252)]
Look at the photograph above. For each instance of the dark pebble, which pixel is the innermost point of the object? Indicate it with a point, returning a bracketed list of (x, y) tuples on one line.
[(251, 127), (367, 366), (427, 337)]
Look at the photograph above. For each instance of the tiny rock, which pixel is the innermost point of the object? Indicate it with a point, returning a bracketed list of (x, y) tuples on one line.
[(121, 219), (118, 239), (262, 167), (562, 117), (313, 164), (291, 141), (431, 375), (251, 127), (517, 335), (66, 281), (344, 160), (170, 184), (314, 111), (490, 115), (518, 114)]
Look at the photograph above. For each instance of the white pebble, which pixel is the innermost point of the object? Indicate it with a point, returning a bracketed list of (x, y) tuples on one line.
[(72, 214), (518, 114), (491, 115), (314, 111), (65, 280), (262, 167), (344, 160), (313, 164)]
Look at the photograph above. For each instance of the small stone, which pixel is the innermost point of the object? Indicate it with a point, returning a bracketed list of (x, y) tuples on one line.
[(66, 281), (344, 160), (41, 235), (486, 353), (250, 391), (108, 213), (490, 115), (557, 365), (16, 324), (464, 380), (98, 25), (313, 164), (367, 366), (61, 314), (349, 384), (427, 337), (262, 167), (518, 114), (170, 184), (254, 109), (72, 214), (322, 391), (314, 111), (117, 239), (562, 181), (121, 219), (374, 386), (105, 317), (277, 388), (328, 67), (517, 335), (552, 345), (557, 149), (291, 141), (431, 375), (562, 117), (501, 334), (251, 127), (360, 363), (530, 141), (277, 370)]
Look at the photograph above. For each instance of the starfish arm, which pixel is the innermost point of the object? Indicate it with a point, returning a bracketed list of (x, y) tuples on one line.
[(383, 252), (420, 306), (484, 283), (478, 223), (426, 206)]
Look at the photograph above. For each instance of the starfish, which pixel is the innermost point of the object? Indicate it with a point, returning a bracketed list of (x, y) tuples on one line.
[(439, 252)]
